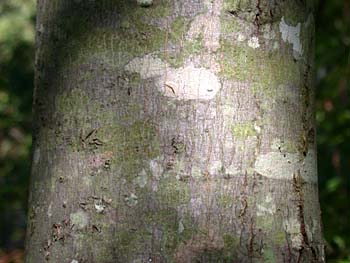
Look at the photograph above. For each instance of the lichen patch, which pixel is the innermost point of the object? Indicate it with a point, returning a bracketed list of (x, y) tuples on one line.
[(36, 157), (291, 34), (292, 227), (156, 168), (283, 165), (215, 167), (99, 206), (254, 42), (208, 26), (185, 83), (131, 200), (267, 207), (309, 166), (147, 66), (276, 165), (49, 210), (191, 83), (141, 179), (79, 219)]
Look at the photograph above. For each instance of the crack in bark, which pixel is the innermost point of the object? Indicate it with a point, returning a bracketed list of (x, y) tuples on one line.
[(298, 184), (257, 16)]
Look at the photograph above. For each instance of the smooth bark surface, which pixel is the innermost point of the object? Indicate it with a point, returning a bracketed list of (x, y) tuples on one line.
[(174, 131)]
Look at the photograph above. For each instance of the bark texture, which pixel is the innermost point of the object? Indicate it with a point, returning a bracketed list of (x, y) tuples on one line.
[(174, 131)]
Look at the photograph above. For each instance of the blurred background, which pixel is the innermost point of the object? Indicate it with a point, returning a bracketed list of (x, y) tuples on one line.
[(17, 19)]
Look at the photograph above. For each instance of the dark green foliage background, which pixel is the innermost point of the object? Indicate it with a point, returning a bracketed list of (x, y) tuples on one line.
[(17, 18)]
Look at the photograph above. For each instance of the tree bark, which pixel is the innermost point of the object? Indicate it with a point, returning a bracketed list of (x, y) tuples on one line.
[(174, 131)]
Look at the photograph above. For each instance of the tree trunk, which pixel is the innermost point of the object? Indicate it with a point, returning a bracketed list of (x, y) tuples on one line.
[(174, 131)]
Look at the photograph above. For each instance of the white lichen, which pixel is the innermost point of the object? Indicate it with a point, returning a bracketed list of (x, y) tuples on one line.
[(284, 162), (141, 179), (49, 210), (232, 171), (145, 3), (309, 167), (191, 83), (264, 210), (156, 168), (79, 219), (196, 172), (147, 66), (99, 206), (185, 83), (267, 207), (292, 227), (180, 168), (215, 167), (131, 200), (253, 42), (277, 165), (257, 128), (241, 37), (181, 227), (291, 34)]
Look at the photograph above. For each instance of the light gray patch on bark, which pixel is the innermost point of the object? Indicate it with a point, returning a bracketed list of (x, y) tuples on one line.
[(185, 83), (292, 227), (141, 179), (275, 164), (79, 219), (254, 42), (36, 157), (291, 34)]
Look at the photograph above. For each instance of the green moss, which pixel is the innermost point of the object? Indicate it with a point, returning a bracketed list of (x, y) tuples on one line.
[(224, 200), (186, 48), (131, 145), (279, 237), (265, 222), (74, 101), (284, 146), (209, 255), (269, 255), (194, 46), (229, 25), (227, 253), (243, 130), (196, 173), (129, 242), (168, 223), (231, 5), (178, 29), (272, 226), (270, 69), (173, 192), (231, 243)]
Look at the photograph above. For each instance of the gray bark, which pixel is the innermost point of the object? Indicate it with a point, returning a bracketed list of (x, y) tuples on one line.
[(174, 131)]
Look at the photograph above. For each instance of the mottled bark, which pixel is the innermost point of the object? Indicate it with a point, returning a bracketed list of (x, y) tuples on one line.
[(174, 131)]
